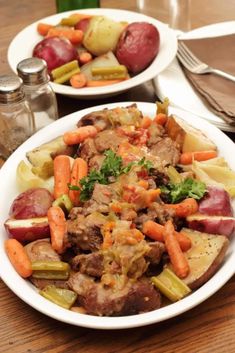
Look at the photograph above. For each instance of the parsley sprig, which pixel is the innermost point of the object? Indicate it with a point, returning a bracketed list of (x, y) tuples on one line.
[(112, 167)]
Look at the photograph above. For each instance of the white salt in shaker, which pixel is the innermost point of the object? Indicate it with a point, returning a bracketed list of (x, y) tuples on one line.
[(16, 117), (39, 94)]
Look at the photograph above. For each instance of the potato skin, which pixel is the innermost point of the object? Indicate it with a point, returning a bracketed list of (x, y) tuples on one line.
[(213, 225), (31, 203), (137, 46), (216, 202)]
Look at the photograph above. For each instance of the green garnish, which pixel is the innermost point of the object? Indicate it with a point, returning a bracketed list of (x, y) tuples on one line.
[(187, 188), (112, 167)]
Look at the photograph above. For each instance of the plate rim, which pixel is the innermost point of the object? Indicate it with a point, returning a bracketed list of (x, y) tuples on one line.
[(42, 305), (140, 78)]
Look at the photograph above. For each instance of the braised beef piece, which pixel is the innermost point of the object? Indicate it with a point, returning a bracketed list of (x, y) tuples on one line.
[(90, 264), (98, 119), (42, 283), (167, 150), (156, 212), (108, 139), (134, 298), (96, 161), (84, 232), (87, 149), (156, 133), (102, 194), (157, 249)]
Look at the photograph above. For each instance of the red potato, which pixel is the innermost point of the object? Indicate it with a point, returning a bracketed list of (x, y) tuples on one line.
[(212, 224), (26, 230), (31, 203), (83, 24), (138, 46), (216, 203), (55, 51)]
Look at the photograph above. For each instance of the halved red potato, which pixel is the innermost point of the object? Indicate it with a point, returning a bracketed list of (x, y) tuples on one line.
[(216, 202)]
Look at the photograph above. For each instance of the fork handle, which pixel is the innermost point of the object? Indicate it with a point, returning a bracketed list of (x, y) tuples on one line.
[(223, 74)]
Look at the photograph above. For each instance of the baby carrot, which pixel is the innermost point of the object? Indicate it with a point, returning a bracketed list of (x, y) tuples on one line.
[(177, 258), (75, 36), (58, 228), (78, 80), (160, 119), (81, 134), (184, 208), (100, 83), (43, 28), (146, 122), (84, 57), (155, 231), (189, 157), (61, 175), (79, 171), (18, 257)]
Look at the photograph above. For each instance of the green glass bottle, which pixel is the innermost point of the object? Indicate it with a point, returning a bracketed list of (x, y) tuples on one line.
[(66, 5)]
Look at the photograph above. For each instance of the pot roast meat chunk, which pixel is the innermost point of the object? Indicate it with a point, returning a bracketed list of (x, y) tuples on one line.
[(134, 298), (157, 213), (108, 139), (167, 150), (84, 232), (102, 194), (87, 149), (41, 283), (155, 253), (156, 133), (41, 250), (99, 119), (90, 264)]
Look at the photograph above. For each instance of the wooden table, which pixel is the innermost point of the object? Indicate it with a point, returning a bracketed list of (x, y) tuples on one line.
[(206, 328)]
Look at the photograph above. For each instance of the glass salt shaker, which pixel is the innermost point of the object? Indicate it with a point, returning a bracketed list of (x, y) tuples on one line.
[(39, 94), (16, 117)]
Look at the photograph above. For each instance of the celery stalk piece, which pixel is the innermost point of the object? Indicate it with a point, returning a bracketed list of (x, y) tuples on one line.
[(50, 270), (63, 202), (65, 72), (170, 285), (109, 72), (62, 297), (174, 176), (69, 21)]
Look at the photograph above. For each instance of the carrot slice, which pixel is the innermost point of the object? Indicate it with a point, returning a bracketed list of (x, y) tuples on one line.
[(100, 83), (184, 208), (79, 171), (160, 119), (81, 134), (18, 257), (84, 57), (58, 228), (43, 28), (78, 80), (146, 122), (75, 36), (177, 258), (189, 157), (61, 175), (155, 231)]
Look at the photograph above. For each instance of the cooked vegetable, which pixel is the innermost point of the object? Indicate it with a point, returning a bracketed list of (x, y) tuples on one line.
[(212, 224), (77, 136), (109, 72), (185, 208), (187, 188), (102, 35), (64, 202), (75, 36), (64, 73), (146, 122), (84, 57), (25, 230), (50, 269), (78, 80), (189, 157), (55, 51), (79, 171), (178, 260), (161, 119), (58, 228), (62, 297), (62, 175), (189, 138), (138, 46), (170, 285), (18, 257), (43, 28), (155, 231), (204, 257), (216, 202), (31, 203), (100, 83)]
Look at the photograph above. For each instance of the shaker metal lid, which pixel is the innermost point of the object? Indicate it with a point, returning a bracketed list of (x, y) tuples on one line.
[(33, 71), (11, 89)]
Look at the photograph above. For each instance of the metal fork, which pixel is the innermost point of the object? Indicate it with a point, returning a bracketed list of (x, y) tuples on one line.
[(193, 64)]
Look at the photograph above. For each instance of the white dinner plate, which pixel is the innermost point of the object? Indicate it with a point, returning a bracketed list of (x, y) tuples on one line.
[(22, 46), (24, 290), (173, 84)]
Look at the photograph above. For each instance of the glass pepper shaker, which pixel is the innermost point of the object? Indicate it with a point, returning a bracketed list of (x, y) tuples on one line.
[(16, 117), (39, 94)]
